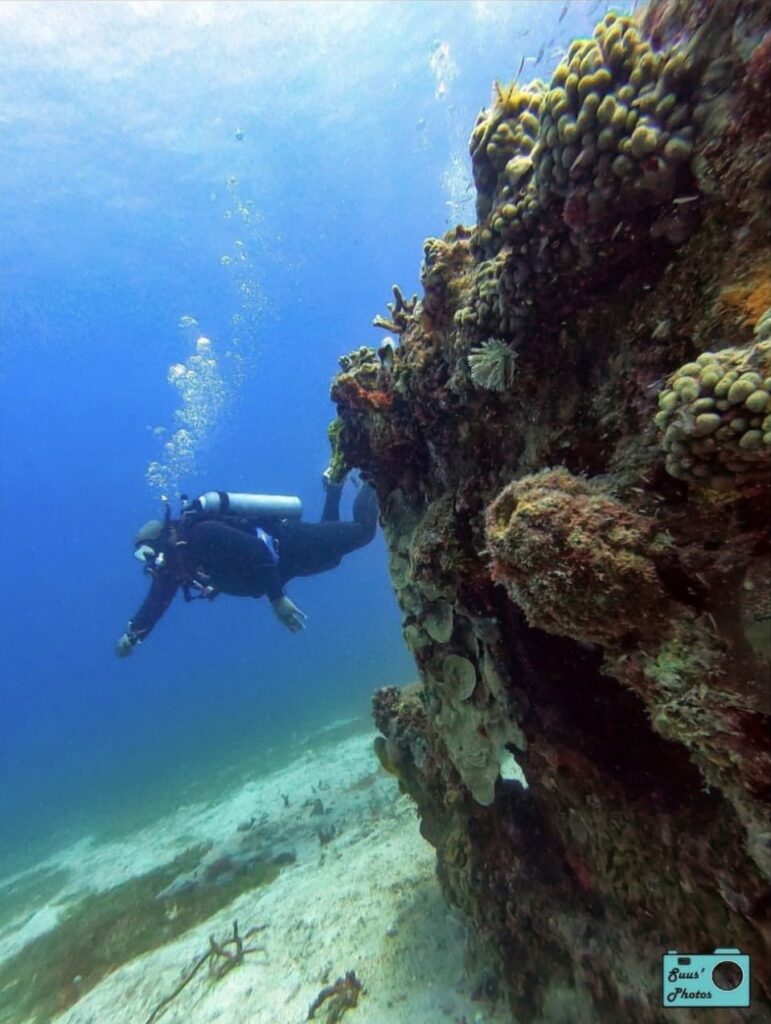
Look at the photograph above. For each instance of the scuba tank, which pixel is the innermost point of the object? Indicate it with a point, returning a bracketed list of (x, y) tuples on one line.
[(247, 506)]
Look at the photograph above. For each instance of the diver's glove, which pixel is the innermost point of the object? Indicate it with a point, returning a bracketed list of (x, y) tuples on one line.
[(288, 614), (330, 481), (124, 646)]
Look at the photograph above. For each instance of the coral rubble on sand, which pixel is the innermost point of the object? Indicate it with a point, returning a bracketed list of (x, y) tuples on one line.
[(572, 450)]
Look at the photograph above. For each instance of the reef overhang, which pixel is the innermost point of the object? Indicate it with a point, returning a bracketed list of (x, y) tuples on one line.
[(571, 445)]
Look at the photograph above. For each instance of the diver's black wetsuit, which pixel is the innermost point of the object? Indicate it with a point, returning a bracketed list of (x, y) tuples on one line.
[(214, 557)]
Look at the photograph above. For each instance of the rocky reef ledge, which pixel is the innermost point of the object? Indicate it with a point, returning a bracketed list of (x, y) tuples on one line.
[(571, 445)]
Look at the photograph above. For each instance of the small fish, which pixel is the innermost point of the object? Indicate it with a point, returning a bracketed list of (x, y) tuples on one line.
[(685, 199), (519, 69), (563, 12), (539, 58), (663, 330), (239, 136), (387, 354)]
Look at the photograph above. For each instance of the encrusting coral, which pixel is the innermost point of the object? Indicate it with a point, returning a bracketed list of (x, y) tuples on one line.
[(570, 450)]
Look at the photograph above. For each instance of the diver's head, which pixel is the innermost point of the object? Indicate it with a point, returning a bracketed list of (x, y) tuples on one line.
[(148, 541)]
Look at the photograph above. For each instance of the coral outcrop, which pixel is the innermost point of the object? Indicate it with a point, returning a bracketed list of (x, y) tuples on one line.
[(578, 563), (715, 416), (562, 169), (570, 446)]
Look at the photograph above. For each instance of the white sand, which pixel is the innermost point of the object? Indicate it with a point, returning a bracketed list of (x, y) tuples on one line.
[(366, 901)]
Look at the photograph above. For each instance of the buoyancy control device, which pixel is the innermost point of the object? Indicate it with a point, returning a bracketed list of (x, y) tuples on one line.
[(244, 512)]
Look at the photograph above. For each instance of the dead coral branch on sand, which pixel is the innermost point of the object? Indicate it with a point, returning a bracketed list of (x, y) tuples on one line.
[(221, 960), (342, 996)]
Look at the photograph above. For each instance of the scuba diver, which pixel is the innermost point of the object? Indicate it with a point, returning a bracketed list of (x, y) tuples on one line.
[(249, 545)]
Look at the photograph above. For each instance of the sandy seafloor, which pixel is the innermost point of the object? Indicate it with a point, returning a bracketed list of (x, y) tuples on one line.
[(366, 900)]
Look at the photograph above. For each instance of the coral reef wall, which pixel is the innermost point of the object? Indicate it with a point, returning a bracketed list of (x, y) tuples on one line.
[(571, 445)]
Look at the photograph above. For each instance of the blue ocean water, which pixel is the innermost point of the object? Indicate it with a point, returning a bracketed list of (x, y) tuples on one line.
[(257, 174)]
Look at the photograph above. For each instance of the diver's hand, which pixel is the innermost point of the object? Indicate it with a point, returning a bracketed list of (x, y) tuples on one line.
[(124, 646), (288, 614)]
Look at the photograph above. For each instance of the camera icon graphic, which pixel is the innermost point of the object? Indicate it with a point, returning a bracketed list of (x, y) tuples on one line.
[(721, 978)]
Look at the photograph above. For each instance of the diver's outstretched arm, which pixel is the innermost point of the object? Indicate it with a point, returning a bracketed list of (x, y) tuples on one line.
[(160, 596)]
